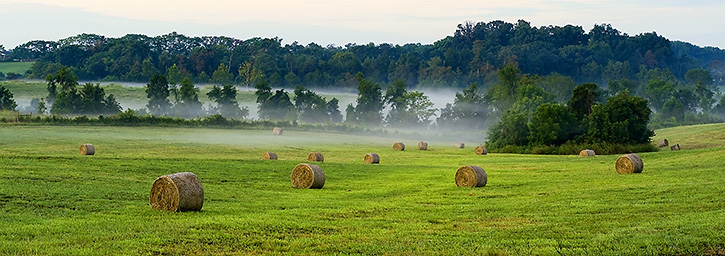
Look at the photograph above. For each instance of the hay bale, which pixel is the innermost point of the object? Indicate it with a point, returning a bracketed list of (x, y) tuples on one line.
[(422, 145), (460, 145), (269, 156), (277, 131), (675, 147), (316, 157), (399, 146), (177, 193), (663, 143), (307, 176), (88, 150), (587, 152), (372, 158), (471, 176), (480, 150), (629, 163)]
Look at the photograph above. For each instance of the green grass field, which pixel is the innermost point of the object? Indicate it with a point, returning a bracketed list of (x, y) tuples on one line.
[(56, 202), (15, 67)]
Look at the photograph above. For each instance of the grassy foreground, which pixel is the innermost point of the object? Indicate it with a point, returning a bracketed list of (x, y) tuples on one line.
[(56, 202)]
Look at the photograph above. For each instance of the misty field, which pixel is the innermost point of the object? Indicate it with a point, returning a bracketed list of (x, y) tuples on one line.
[(133, 95), (56, 202)]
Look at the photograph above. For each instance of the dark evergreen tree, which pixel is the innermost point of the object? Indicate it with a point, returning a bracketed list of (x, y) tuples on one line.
[(6, 99), (157, 91), (188, 104)]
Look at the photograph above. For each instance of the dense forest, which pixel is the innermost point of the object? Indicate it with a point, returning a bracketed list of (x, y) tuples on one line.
[(473, 53)]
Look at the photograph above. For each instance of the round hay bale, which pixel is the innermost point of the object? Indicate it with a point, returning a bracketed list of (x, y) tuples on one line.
[(460, 145), (399, 146), (675, 147), (629, 163), (422, 145), (587, 152), (277, 131), (316, 157), (471, 176), (88, 150), (663, 143), (269, 156), (307, 176), (480, 150), (372, 158), (177, 193)]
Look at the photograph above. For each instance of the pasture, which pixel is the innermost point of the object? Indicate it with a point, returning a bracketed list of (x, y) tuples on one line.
[(56, 202), (15, 67)]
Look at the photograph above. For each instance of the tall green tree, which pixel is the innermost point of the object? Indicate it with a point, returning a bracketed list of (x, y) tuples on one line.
[(552, 124), (311, 107), (699, 76), (418, 110), (503, 93), (705, 97), (222, 76), (249, 74), (61, 80), (616, 86), (69, 99), (395, 98), (559, 85), (157, 91), (407, 108), (6, 99), (622, 120), (226, 100), (582, 99), (188, 105), (93, 100), (673, 108), (333, 109), (469, 110), (512, 130), (658, 91), (369, 102), (174, 74), (394, 94), (278, 107), (274, 106)]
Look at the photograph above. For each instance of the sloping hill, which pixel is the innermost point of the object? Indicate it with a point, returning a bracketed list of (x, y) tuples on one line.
[(694, 136)]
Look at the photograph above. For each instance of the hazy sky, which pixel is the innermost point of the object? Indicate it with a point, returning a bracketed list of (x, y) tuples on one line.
[(344, 21)]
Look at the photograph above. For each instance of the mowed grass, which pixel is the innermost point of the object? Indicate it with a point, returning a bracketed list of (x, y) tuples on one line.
[(55, 201), (15, 67), (693, 137)]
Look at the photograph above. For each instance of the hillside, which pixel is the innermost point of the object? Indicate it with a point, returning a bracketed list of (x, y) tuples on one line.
[(694, 136), (473, 53)]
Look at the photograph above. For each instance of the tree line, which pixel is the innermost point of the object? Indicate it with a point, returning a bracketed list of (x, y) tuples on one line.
[(473, 54)]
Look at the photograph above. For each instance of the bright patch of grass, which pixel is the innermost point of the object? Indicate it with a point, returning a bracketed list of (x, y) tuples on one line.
[(693, 137), (56, 201), (15, 67)]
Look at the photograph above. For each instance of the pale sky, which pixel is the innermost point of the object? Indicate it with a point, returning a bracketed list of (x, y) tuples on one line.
[(344, 21)]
